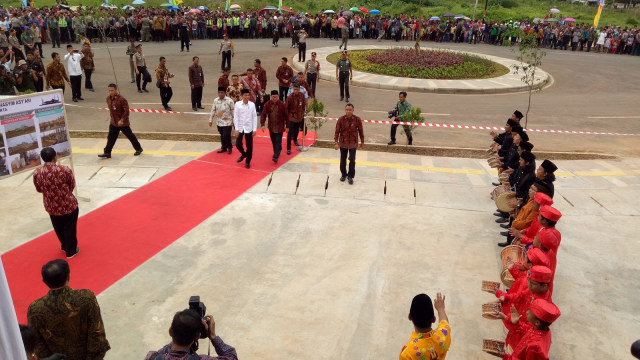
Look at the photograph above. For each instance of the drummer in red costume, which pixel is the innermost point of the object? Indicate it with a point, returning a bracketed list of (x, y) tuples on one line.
[(533, 257), (538, 288), (525, 237), (536, 341)]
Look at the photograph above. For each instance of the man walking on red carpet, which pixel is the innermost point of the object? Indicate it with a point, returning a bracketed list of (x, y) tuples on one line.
[(119, 111), (67, 321), (276, 111), (245, 121), (56, 183)]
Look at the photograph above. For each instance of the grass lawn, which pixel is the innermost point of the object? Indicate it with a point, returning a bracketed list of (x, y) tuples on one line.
[(497, 9), (473, 67)]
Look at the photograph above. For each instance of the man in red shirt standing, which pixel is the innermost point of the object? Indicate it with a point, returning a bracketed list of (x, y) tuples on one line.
[(348, 128), (276, 112), (119, 111), (56, 183)]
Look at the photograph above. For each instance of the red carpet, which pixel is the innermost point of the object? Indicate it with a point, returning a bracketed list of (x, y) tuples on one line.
[(118, 237)]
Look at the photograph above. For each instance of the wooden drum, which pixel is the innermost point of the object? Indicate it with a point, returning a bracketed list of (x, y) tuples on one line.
[(490, 286), (503, 196), (491, 311), (493, 347), (510, 255)]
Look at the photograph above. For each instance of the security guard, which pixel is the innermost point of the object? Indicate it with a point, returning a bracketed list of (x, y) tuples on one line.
[(344, 73)]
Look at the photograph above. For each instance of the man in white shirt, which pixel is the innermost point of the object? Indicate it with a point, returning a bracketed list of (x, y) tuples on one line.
[(245, 120), (75, 72)]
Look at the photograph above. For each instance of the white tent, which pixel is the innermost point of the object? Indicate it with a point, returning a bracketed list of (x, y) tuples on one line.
[(11, 346)]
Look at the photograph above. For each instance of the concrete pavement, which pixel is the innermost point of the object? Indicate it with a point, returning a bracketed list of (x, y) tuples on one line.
[(497, 85), (302, 256)]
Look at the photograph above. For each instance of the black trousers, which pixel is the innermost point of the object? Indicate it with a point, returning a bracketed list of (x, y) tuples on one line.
[(311, 80), (196, 97), (226, 60), (58, 87), (302, 51), (225, 137), (141, 76), (343, 78), (248, 153), (292, 134), (165, 95), (282, 92), (87, 79), (184, 41), (407, 131), (65, 227), (114, 131), (352, 162), (76, 86), (55, 39), (276, 143)]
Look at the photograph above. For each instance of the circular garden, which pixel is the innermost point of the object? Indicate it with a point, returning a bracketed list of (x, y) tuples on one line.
[(423, 64)]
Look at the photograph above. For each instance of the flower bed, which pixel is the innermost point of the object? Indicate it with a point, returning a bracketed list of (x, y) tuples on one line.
[(427, 64)]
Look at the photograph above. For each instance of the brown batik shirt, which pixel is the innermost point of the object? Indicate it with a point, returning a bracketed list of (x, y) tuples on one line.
[(56, 74), (119, 110), (68, 321), (296, 106), (347, 132)]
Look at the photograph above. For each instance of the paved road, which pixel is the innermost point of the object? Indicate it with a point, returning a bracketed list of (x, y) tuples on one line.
[(591, 91)]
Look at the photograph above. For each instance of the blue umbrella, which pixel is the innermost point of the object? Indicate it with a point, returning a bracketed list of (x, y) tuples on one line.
[(173, 7), (270, 7), (433, 18), (202, 8), (374, 12)]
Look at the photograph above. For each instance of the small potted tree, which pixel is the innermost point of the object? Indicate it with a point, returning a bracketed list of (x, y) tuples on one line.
[(315, 114)]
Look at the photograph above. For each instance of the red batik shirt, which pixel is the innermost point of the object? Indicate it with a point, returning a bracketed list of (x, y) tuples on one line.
[(56, 183)]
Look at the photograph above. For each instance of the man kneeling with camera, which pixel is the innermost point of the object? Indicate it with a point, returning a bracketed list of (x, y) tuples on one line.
[(186, 328)]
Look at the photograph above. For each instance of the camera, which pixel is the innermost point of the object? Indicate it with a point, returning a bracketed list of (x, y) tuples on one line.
[(393, 113), (198, 306)]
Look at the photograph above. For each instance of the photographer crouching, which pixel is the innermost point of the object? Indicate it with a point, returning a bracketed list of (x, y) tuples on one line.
[(187, 327), (402, 107)]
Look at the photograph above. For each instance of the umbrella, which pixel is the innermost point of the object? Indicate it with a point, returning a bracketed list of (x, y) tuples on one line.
[(138, 2), (537, 20), (270, 7), (173, 7), (447, 15), (194, 11), (434, 18), (329, 12), (466, 18), (458, 16), (166, 4), (63, 6), (364, 10), (105, 5), (202, 8), (354, 9), (128, 7), (347, 13), (374, 12), (554, 11), (234, 7), (569, 20), (552, 20), (286, 9)]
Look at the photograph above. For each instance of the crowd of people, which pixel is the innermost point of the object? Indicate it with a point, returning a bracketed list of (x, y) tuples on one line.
[(530, 248)]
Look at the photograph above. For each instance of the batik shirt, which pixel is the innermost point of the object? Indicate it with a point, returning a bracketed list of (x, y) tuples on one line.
[(68, 322), (428, 346), (225, 105), (56, 183), (234, 92)]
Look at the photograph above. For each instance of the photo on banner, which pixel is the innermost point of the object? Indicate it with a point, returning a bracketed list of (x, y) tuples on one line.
[(29, 123)]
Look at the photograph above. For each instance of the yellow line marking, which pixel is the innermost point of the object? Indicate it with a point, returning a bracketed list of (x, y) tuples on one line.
[(395, 166), (146, 152), (601, 173)]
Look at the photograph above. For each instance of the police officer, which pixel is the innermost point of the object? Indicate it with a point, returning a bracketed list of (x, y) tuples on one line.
[(344, 73)]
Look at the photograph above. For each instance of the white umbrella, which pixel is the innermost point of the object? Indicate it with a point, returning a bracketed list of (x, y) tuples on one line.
[(128, 7), (554, 11), (235, 7), (329, 12), (138, 2)]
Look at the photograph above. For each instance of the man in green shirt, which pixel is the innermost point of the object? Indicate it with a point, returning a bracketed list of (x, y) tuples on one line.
[(344, 73), (403, 107), (7, 83), (25, 78), (27, 40)]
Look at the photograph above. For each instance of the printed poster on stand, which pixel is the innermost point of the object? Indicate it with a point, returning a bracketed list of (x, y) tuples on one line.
[(29, 123)]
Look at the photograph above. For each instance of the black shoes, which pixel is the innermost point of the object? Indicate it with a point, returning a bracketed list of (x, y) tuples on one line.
[(229, 151), (240, 158), (145, 90), (140, 91), (288, 151), (504, 233), (499, 214), (501, 220), (76, 253), (105, 156), (503, 244), (194, 109), (168, 108), (221, 150), (274, 159), (80, 98), (347, 100), (75, 100), (341, 98), (350, 181), (92, 90), (343, 178), (392, 142), (138, 152), (200, 107), (504, 226), (247, 166)]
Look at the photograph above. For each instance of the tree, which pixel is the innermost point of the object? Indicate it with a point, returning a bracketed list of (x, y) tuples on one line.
[(413, 116), (316, 121), (530, 57)]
